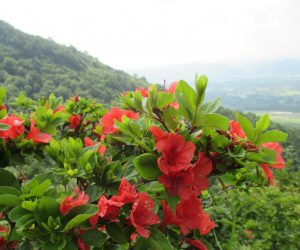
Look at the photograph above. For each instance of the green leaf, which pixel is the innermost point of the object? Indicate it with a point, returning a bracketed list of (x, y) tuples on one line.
[(94, 192), (118, 234), (3, 113), (8, 179), (46, 206), (211, 106), (17, 213), (4, 127), (272, 136), (40, 189), (94, 237), (156, 241), (9, 190), (212, 121), (146, 166), (187, 99), (163, 100), (9, 200), (246, 125), (237, 152), (2, 93), (82, 213), (262, 124), (169, 116)]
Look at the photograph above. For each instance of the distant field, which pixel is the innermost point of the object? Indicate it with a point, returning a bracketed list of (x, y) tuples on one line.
[(286, 118)]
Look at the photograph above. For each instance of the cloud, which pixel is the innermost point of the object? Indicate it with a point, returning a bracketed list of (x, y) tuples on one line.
[(140, 34)]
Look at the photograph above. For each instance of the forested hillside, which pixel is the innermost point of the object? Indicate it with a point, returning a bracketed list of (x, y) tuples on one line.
[(39, 66)]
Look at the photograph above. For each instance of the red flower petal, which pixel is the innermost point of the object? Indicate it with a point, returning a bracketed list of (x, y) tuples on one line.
[(142, 214)]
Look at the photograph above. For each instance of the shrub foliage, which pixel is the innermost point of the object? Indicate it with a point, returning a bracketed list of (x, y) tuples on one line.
[(138, 176)]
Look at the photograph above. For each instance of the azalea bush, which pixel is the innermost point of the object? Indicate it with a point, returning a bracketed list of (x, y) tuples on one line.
[(137, 176)]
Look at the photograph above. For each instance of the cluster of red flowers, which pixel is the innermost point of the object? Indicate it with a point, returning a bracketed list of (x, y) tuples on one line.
[(144, 92), (183, 179), (88, 142), (16, 128), (237, 132), (80, 198), (115, 114), (141, 215), (75, 121)]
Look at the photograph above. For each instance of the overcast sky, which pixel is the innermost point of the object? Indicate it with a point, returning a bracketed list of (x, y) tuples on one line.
[(137, 34)]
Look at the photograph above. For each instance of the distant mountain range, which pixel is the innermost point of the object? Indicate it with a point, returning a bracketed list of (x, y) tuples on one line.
[(268, 86), (40, 66), (287, 68)]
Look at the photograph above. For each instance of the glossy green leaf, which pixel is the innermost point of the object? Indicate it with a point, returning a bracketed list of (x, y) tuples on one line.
[(94, 237), (187, 99), (82, 213), (9, 200), (262, 124), (272, 136), (212, 121), (211, 106), (246, 125), (118, 234), (8, 179), (4, 127), (146, 166), (156, 241)]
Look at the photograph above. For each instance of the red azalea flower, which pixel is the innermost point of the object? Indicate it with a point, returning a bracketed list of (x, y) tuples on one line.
[(88, 142), (127, 193), (81, 244), (275, 146), (2, 243), (169, 217), (174, 105), (142, 214), (143, 91), (75, 121), (236, 131), (249, 234), (36, 135), (76, 98), (191, 182), (158, 133), (280, 163), (189, 216), (108, 210), (108, 120), (16, 128), (188, 213), (3, 106), (58, 108), (180, 183), (269, 175), (196, 243), (73, 201), (172, 87), (176, 153), (201, 170)]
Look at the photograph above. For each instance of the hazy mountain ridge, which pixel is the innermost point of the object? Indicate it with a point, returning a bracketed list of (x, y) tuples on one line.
[(39, 66), (269, 86)]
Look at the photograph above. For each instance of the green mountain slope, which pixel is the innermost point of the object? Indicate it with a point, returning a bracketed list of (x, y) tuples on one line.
[(39, 66)]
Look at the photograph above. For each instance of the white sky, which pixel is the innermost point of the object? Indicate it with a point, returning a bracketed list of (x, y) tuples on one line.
[(137, 34)]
